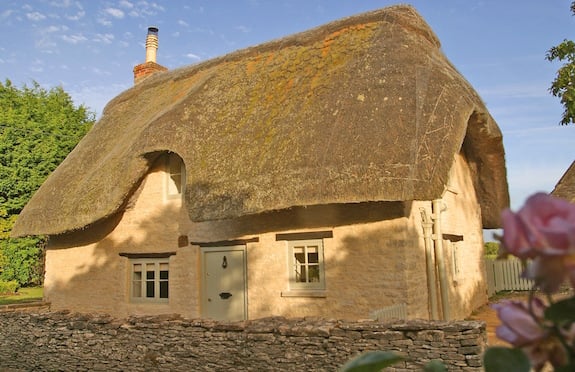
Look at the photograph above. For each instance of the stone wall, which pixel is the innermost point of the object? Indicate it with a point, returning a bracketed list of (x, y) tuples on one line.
[(64, 341)]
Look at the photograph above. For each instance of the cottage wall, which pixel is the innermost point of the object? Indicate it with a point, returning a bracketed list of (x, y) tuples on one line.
[(462, 220), (462, 243), (374, 259)]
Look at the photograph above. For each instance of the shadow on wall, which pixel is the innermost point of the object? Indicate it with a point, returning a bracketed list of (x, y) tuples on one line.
[(84, 271), (298, 218)]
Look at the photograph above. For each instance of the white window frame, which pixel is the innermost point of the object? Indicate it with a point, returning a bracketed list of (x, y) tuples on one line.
[(143, 280), (293, 263), (173, 171)]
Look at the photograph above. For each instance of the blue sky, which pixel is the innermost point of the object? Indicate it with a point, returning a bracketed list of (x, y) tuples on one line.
[(89, 47)]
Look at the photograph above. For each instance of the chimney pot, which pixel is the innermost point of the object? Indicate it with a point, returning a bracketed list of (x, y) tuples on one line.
[(144, 70), (152, 44)]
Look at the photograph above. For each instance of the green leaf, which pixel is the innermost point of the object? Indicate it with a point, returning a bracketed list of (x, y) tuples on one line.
[(371, 361), (562, 311), (497, 359), (435, 366)]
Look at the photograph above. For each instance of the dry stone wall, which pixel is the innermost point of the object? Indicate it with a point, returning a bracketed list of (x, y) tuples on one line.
[(62, 341)]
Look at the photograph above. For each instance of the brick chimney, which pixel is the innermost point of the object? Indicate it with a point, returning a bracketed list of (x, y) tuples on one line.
[(146, 69)]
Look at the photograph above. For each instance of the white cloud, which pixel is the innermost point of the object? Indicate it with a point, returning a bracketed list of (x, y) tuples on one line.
[(243, 29), (115, 12), (76, 17), (183, 23), (146, 8), (62, 3), (35, 16), (103, 38), (45, 42), (193, 56), (37, 66), (6, 13), (51, 29), (100, 72), (104, 22), (74, 39), (126, 4)]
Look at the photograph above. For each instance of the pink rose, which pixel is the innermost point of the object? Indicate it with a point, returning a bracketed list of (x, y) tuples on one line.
[(518, 327), (543, 230), (545, 225), (524, 327)]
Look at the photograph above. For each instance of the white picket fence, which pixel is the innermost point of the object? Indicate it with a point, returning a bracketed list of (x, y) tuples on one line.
[(505, 275)]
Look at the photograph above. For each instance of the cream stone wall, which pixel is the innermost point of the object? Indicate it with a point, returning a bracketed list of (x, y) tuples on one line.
[(462, 242), (463, 217), (376, 257), (85, 272)]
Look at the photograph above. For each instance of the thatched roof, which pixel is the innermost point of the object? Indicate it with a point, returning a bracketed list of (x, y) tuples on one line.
[(366, 108), (565, 188)]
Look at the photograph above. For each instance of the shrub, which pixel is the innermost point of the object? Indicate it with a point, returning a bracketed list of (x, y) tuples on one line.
[(8, 287)]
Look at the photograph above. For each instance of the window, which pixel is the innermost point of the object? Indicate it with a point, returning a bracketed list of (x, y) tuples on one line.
[(452, 245), (150, 280), (306, 264), (176, 179)]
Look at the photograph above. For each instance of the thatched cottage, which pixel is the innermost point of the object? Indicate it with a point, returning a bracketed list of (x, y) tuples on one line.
[(341, 172), (565, 188)]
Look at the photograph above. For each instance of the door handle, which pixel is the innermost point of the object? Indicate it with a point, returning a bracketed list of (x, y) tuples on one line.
[(225, 295)]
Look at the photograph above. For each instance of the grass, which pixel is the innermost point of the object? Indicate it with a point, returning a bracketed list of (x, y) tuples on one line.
[(23, 295)]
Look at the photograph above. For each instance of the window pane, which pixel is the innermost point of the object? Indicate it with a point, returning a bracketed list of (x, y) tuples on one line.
[(164, 275), (136, 289), (175, 185), (137, 280), (150, 290), (299, 254), (163, 289), (150, 271), (312, 254), (175, 164), (300, 276), (137, 275), (177, 175), (313, 271)]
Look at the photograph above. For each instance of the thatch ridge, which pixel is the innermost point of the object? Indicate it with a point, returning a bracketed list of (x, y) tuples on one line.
[(362, 109)]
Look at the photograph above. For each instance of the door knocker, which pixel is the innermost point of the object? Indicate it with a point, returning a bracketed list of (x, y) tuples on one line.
[(224, 262)]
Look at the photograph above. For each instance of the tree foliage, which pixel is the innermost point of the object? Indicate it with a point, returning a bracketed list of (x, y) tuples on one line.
[(38, 128), (491, 249), (564, 84)]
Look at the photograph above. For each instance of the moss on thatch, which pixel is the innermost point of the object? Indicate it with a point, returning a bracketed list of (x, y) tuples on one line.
[(366, 108)]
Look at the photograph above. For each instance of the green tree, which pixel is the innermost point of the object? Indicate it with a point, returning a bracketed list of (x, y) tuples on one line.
[(38, 128), (491, 249), (564, 84)]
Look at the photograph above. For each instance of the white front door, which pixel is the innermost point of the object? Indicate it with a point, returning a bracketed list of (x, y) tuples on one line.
[(224, 283)]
